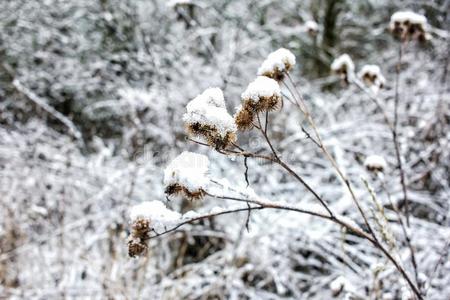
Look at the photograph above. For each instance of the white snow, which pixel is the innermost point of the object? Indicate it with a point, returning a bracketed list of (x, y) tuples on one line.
[(173, 3), (343, 62), (312, 26), (341, 284), (375, 162), (156, 212), (190, 215), (209, 109), (408, 17), (189, 170), (262, 86), (278, 61)]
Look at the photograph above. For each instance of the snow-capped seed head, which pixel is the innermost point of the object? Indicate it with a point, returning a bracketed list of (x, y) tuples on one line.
[(187, 175), (408, 25), (154, 212), (344, 66), (207, 117), (371, 76), (262, 94), (277, 64), (244, 117), (146, 217), (375, 163), (312, 28)]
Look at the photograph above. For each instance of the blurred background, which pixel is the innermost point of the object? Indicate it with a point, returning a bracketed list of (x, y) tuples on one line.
[(92, 94)]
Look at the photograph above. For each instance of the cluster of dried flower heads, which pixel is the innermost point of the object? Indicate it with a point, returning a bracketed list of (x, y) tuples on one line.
[(407, 25)]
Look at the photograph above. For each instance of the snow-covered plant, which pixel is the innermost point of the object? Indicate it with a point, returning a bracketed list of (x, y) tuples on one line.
[(408, 25), (371, 75), (312, 28), (344, 66), (375, 163), (187, 175), (277, 64), (207, 117), (146, 217), (261, 95)]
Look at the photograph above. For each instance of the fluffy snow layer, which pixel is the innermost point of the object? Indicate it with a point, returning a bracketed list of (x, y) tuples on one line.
[(408, 16), (262, 86), (280, 60), (209, 109), (173, 3), (375, 162), (188, 170), (343, 62), (155, 211)]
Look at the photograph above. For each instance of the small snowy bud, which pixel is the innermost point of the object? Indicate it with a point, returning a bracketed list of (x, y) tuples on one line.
[(408, 25), (312, 28), (372, 77), (277, 64), (375, 163), (343, 66), (187, 175)]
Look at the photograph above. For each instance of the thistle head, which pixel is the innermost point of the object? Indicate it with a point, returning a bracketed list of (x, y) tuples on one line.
[(277, 64)]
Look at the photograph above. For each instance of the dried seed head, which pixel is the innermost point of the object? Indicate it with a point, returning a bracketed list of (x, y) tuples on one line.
[(176, 189), (372, 77), (406, 25), (262, 94), (136, 247), (208, 118), (244, 117), (375, 163), (277, 64), (140, 228), (344, 66)]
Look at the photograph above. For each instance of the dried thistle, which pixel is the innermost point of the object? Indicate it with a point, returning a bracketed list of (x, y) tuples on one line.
[(406, 25), (277, 64), (244, 117)]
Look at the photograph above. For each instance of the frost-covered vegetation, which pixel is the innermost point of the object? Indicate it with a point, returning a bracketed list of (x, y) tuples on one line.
[(224, 149)]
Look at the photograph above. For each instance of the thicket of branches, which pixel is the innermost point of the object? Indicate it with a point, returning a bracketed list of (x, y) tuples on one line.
[(92, 95)]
